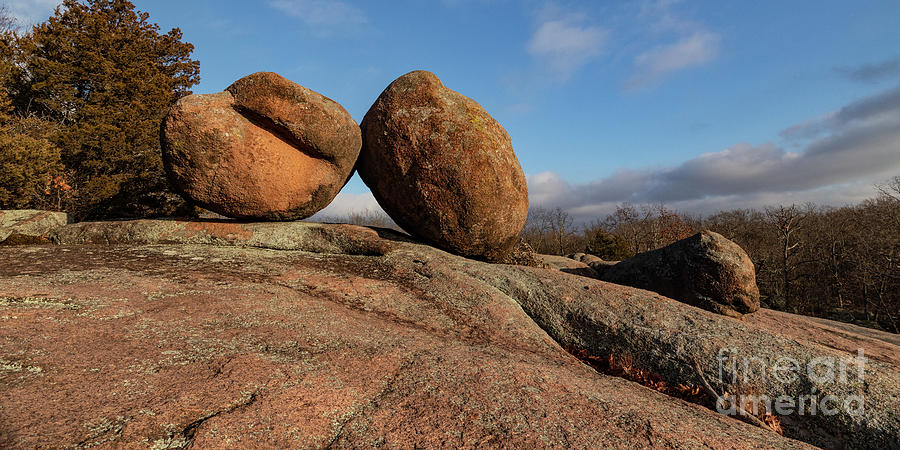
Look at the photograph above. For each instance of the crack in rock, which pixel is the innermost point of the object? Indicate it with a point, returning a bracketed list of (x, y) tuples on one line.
[(188, 433)]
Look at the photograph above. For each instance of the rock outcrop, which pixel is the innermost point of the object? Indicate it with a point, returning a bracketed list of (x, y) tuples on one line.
[(29, 224), (565, 264), (326, 344), (265, 148), (306, 236), (705, 270), (597, 264), (585, 258), (443, 169), (765, 355)]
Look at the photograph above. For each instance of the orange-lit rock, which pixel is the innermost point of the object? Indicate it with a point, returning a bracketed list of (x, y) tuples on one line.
[(265, 148)]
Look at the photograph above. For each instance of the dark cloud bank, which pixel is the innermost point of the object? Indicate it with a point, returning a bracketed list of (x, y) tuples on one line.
[(843, 154), (874, 72)]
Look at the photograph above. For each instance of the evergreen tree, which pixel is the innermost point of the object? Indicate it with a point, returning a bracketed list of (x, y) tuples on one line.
[(29, 163), (607, 246), (104, 74), (7, 61)]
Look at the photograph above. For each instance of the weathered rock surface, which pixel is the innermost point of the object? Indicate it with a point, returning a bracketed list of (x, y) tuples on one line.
[(671, 339), (443, 169), (306, 236), (597, 264), (565, 264), (212, 345), (585, 258), (265, 148), (600, 267), (705, 270), (30, 222)]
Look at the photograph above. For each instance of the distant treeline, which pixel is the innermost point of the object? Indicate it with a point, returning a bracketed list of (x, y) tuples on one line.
[(366, 218), (840, 263)]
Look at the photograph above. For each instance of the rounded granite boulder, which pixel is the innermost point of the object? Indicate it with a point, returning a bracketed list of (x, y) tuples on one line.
[(266, 149), (705, 270), (443, 169)]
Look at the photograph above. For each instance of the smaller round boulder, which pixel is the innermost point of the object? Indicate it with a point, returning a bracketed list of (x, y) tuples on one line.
[(705, 270), (443, 168), (266, 149)]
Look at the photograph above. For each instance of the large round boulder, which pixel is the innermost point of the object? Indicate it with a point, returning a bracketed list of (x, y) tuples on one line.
[(705, 270), (266, 148), (443, 168)]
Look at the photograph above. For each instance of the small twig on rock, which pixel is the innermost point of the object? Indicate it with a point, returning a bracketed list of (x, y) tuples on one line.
[(742, 413)]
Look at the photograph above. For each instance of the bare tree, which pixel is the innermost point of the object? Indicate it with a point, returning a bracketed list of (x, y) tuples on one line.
[(537, 229), (552, 231), (561, 229), (890, 193), (787, 222), (891, 189), (647, 227), (8, 22), (626, 223)]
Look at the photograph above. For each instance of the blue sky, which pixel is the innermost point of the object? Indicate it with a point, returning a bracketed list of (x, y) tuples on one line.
[(703, 105)]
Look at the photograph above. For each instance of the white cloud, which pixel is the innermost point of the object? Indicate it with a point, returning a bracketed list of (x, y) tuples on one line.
[(845, 154), (323, 17), (566, 44), (662, 17), (547, 188), (655, 64), (678, 43), (29, 12), (659, 40)]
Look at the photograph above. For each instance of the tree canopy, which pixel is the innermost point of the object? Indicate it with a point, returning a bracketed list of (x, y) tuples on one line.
[(105, 76)]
